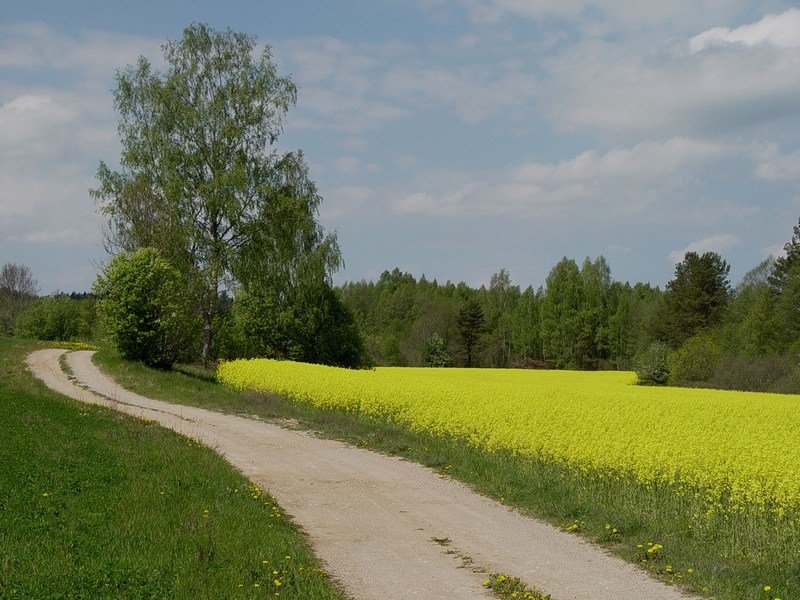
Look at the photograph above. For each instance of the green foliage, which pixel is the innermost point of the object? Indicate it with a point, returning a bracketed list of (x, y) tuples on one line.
[(312, 327), (694, 361), (787, 311), (651, 364), (471, 322), (58, 317), (764, 373), (561, 318), (787, 267), (696, 298), (201, 178), (434, 352), (398, 313), (749, 327), (594, 334), (526, 325), (142, 301)]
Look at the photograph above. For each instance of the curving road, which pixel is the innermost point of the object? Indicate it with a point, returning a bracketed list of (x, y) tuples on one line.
[(386, 528)]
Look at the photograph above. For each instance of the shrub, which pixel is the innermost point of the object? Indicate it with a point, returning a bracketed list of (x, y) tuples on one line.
[(434, 352), (57, 317), (531, 363), (143, 306), (767, 373), (694, 361), (651, 364)]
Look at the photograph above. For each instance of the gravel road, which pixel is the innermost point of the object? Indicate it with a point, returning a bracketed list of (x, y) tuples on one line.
[(385, 528)]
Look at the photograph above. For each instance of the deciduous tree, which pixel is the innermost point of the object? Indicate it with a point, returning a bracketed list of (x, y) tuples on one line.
[(201, 177), (17, 291)]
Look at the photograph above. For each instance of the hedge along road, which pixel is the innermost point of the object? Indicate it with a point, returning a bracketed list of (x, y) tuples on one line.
[(378, 523)]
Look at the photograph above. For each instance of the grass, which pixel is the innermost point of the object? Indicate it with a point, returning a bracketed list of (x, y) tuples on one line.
[(728, 556), (96, 504)]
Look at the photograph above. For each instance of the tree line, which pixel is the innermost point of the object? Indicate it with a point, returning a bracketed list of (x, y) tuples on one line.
[(704, 331)]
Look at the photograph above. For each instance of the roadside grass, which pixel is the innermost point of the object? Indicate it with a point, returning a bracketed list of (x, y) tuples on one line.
[(95, 504), (728, 556)]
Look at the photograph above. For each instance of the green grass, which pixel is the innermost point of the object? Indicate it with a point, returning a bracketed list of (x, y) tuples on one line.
[(728, 556), (95, 504)]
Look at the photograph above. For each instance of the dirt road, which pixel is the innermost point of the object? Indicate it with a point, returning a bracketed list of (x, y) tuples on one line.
[(386, 528)]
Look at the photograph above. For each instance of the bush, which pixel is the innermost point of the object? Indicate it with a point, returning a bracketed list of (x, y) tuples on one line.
[(531, 363), (769, 373), (694, 361), (651, 364), (57, 318), (142, 302), (434, 352)]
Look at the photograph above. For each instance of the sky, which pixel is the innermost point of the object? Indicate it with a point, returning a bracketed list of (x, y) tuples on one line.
[(450, 138)]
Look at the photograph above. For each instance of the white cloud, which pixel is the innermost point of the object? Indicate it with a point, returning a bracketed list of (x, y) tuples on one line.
[(58, 121), (599, 17), (659, 86), (474, 93), (775, 166), (716, 243), (782, 30), (775, 250), (337, 83), (352, 165), (69, 235), (35, 126), (619, 182), (360, 87), (36, 45), (345, 200)]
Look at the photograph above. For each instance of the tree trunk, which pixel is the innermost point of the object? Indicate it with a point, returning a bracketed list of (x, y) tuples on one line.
[(206, 336)]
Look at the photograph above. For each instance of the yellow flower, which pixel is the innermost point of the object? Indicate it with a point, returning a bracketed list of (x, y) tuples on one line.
[(751, 462)]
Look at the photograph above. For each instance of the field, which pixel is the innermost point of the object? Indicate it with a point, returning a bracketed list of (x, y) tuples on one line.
[(739, 450), (703, 483)]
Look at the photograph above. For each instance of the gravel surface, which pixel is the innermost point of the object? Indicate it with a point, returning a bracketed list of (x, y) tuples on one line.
[(384, 527)]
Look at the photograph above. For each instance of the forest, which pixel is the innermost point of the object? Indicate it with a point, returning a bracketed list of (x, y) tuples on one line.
[(698, 330)]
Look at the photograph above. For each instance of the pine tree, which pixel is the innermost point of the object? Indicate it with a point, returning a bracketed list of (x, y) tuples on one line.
[(696, 298), (471, 323)]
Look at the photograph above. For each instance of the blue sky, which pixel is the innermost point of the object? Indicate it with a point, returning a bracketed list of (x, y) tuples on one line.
[(448, 137)]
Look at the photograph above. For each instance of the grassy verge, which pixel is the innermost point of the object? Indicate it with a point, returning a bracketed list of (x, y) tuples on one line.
[(94, 504), (729, 556)]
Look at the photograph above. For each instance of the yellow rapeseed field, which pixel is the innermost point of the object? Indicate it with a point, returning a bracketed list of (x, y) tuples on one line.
[(740, 449)]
